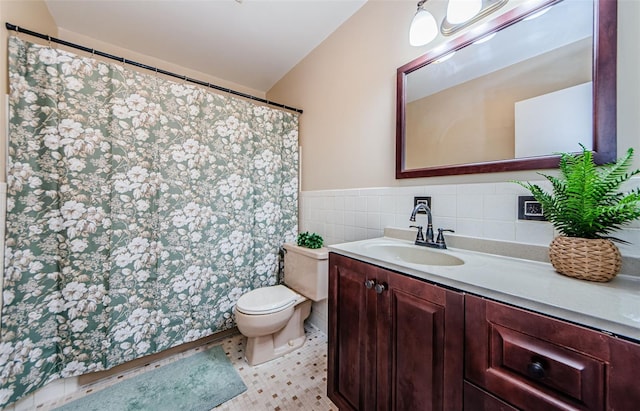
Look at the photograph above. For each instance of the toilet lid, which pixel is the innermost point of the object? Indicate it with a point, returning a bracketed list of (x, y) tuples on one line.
[(266, 300)]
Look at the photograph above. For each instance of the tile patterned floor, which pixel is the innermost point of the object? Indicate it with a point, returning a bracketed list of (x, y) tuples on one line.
[(296, 381)]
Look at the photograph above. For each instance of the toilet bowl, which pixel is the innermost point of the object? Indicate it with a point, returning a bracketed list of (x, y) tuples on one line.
[(275, 328), (272, 318)]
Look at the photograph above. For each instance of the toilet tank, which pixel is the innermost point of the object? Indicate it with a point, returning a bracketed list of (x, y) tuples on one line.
[(306, 271)]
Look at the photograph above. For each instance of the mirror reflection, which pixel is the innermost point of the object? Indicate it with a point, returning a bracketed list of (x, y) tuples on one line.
[(525, 92), (528, 153)]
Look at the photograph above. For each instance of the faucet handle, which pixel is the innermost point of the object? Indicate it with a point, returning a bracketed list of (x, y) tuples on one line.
[(440, 239), (420, 235)]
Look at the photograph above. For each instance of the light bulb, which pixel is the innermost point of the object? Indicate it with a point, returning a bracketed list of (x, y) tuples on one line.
[(423, 28), (459, 11)]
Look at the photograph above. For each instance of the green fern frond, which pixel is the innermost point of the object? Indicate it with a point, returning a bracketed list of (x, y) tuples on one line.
[(612, 176), (584, 200)]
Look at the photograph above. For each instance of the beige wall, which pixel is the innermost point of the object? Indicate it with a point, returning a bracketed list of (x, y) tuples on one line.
[(35, 16), (347, 90)]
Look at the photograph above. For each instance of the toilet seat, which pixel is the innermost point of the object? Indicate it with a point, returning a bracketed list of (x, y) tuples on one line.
[(267, 300)]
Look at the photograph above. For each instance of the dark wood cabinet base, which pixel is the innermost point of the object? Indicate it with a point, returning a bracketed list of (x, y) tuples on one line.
[(476, 399), (399, 343), (394, 341), (539, 363)]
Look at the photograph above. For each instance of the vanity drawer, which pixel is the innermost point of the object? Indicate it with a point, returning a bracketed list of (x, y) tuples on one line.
[(544, 368), (534, 362), (476, 399)]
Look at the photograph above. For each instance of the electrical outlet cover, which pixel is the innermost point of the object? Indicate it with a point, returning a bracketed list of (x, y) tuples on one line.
[(530, 209), (424, 200)]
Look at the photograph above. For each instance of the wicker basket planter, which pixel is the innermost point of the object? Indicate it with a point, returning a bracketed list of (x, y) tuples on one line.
[(584, 258)]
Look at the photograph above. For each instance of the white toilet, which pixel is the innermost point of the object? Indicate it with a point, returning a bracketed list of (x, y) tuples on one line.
[(272, 318)]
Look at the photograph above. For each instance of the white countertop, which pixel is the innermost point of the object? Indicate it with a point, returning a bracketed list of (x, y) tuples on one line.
[(613, 307)]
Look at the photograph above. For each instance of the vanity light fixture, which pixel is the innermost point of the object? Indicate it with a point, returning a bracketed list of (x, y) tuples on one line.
[(459, 11), (467, 13), (460, 14), (423, 27)]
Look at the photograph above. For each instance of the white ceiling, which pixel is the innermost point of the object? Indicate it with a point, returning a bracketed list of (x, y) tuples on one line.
[(253, 43)]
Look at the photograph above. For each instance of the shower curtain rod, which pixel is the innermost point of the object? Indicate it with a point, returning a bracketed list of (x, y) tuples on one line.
[(18, 30)]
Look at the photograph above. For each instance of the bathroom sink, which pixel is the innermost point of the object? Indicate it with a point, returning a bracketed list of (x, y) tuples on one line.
[(412, 254)]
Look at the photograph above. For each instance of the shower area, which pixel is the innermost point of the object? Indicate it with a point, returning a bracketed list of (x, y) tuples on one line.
[(139, 209)]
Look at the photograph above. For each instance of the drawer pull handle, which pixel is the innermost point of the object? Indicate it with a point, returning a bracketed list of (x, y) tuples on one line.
[(380, 288), (535, 370), (369, 284)]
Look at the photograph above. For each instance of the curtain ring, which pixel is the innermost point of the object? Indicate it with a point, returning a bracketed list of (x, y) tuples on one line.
[(49, 41)]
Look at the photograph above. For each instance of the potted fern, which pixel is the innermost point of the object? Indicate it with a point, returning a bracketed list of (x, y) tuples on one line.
[(585, 206)]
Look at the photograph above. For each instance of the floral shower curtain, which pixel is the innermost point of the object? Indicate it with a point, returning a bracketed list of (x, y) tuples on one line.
[(139, 210)]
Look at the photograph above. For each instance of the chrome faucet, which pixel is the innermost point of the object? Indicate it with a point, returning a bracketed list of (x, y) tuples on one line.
[(427, 239), (425, 207)]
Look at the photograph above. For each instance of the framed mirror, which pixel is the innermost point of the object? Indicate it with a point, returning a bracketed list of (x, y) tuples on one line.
[(539, 86)]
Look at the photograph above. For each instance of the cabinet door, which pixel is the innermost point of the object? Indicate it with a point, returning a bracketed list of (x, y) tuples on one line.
[(624, 385), (352, 332), (420, 346)]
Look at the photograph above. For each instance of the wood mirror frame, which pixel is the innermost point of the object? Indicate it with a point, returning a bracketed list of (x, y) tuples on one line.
[(604, 94)]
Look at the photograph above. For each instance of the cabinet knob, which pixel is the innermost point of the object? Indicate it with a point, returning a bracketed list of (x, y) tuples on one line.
[(535, 370), (380, 288), (369, 284)]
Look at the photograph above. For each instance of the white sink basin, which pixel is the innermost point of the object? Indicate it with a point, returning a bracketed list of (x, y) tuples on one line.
[(412, 254)]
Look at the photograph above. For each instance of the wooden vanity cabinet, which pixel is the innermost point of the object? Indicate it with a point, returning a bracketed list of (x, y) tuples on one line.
[(398, 343), (517, 359), (395, 342)]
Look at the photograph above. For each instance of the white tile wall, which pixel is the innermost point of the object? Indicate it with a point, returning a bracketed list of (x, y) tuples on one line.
[(484, 210), (319, 315)]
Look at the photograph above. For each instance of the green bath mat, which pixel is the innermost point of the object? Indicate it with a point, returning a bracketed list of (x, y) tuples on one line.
[(196, 383)]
